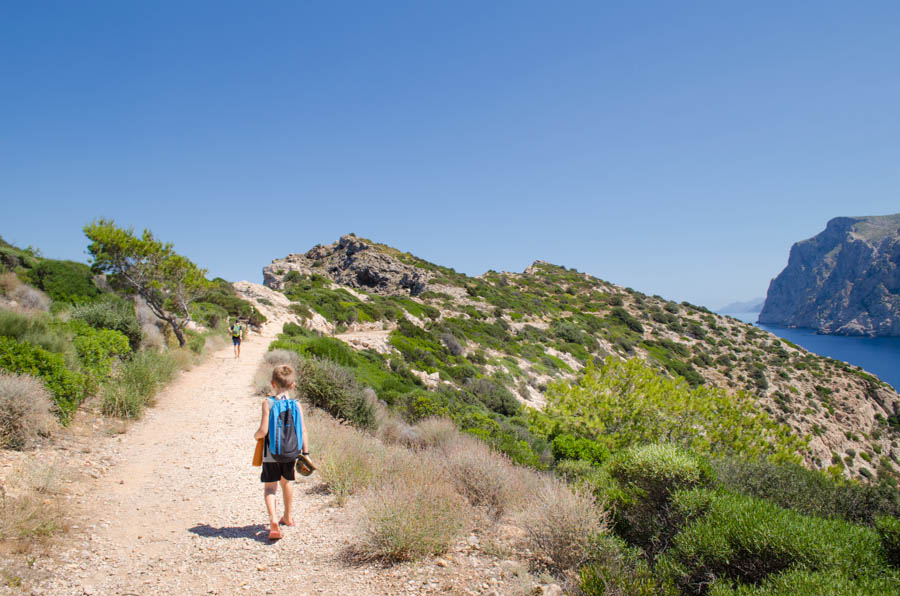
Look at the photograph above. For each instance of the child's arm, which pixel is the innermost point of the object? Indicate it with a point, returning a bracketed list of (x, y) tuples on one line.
[(263, 429)]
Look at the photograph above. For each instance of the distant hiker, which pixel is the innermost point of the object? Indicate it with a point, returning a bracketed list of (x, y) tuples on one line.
[(237, 332), (284, 432)]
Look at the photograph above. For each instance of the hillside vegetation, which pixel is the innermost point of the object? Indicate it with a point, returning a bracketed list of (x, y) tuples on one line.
[(720, 451), (500, 340), (80, 335)]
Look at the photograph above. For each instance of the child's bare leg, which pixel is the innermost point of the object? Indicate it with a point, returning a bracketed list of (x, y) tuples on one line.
[(287, 491), (269, 491)]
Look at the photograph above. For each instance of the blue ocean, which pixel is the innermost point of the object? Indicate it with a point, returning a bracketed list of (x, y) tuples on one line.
[(878, 355)]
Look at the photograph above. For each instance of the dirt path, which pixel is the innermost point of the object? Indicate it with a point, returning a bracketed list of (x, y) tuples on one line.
[(180, 510)]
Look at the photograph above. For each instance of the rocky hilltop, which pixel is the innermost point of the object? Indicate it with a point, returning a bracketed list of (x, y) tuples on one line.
[(844, 281), (352, 262)]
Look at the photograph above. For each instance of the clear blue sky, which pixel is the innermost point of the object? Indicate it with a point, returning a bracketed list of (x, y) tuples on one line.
[(679, 148)]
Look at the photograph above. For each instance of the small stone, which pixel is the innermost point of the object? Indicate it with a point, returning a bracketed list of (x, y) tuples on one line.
[(440, 562), (260, 567)]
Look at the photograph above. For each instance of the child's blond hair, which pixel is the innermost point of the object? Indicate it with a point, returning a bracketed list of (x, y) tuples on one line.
[(283, 376)]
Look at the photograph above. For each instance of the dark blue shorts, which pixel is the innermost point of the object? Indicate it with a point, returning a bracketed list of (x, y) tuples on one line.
[(236, 340)]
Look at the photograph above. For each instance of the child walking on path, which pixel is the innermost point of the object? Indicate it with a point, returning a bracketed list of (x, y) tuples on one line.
[(284, 440)]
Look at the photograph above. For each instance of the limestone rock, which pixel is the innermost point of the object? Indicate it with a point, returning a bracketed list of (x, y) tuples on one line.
[(352, 262), (844, 281)]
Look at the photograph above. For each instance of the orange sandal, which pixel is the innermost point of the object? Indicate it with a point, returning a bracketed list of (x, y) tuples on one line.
[(274, 532)]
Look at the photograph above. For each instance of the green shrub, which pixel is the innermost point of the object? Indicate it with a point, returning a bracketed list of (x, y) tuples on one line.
[(647, 477), (747, 540), (112, 313), (333, 388), (622, 315), (629, 403), (41, 331), (566, 446), (65, 281), (793, 486), (617, 570), (495, 396), (209, 315), (68, 388), (222, 294), (136, 383), (98, 348), (889, 531), (294, 330), (803, 582)]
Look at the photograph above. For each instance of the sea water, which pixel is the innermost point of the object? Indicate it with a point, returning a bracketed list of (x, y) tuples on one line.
[(877, 355)]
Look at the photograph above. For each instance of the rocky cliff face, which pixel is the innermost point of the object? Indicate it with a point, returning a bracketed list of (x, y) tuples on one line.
[(844, 281), (353, 262)]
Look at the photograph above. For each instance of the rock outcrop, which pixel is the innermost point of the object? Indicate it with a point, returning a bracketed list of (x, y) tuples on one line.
[(352, 262), (844, 281)]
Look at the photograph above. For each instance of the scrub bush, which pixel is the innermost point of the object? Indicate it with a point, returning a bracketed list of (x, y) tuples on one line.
[(65, 281), (562, 525), (112, 313), (350, 460), (136, 383), (209, 315), (803, 582), (811, 492), (68, 388), (495, 396), (618, 570), (740, 538), (334, 389), (647, 477), (24, 411), (42, 331), (566, 446), (30, 298), (889, 531), (98, 348), (414, 514), (487, 479)]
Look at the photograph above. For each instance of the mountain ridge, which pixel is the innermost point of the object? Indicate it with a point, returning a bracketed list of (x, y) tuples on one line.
[(525, 330)]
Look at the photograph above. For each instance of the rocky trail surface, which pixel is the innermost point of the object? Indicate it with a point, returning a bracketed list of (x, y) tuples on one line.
[(177, 509)]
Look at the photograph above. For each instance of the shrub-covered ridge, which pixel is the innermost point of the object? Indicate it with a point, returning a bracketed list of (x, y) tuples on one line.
[(522, 332)]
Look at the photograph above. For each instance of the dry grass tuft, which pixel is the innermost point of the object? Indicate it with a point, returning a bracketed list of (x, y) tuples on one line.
[(263, 376), (392, 430), (436, 432), (562, 526), (8, 282), (415, 513), (487, 479), (25, 406), (30, 503), (30, 298), (348, 460)]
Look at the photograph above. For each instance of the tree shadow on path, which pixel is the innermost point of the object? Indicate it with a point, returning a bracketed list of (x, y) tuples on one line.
[(258, 532)]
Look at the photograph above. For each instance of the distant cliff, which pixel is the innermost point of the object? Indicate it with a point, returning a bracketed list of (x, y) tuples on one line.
[(844, 281)]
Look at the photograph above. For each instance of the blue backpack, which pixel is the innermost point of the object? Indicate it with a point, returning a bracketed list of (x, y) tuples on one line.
[(285, 431)]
